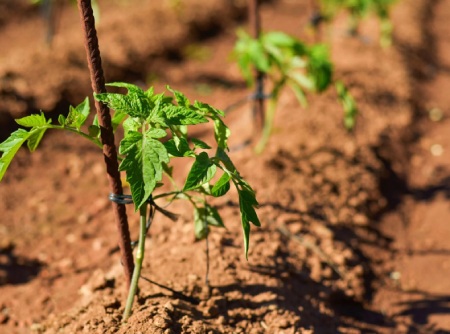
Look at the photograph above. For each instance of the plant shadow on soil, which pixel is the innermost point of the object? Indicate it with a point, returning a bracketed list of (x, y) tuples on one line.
[(16, 269), (429, 305), (297, 292), (396, 186)]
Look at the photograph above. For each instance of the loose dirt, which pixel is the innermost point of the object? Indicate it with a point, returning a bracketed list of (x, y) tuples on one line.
[(354, 225)]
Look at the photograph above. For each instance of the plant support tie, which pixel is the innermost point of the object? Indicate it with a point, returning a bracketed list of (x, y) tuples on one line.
[(259, 95)]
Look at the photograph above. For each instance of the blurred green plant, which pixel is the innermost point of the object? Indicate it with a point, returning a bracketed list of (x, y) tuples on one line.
[(286, 62), (359, 10)]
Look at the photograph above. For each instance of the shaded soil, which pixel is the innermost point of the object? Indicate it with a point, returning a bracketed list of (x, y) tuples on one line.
[(354, 225)]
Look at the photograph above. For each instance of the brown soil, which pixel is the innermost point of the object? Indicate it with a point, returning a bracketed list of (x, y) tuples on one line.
[(354, 225)]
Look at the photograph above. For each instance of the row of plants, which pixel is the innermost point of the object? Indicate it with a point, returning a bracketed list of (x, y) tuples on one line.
[(359, 10), (156, 131), (287, 62)]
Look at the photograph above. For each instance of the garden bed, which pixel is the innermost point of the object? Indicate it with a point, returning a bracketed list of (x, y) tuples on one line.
[(325, 259)]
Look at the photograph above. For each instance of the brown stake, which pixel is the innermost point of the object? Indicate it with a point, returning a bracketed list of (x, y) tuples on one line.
[(107, 135), (258, 102), (316, 20)]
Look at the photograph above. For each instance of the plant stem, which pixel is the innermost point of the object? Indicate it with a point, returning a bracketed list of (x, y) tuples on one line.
[(268, 125), (139, 260), (82, 134), (176, 192), (208, 287), (258, 102), (106, 133)]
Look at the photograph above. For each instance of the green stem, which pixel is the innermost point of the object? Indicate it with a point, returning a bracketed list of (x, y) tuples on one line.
[(268, 125), (138, 262), (176, 192), (96, 141), (93, 140)]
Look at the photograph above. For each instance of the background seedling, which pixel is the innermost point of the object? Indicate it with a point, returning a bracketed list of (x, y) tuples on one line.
[(286, 62), (359, 10)]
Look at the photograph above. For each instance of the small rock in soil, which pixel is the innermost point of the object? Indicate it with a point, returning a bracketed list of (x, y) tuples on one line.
[(169, 307), (161, 322), (4, 317), (211, 311)]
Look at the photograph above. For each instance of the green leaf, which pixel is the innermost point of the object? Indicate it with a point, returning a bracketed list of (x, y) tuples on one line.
[(156, 133), (144, 166), (299, 94), (245, 62), (258, 56), (225, 159), (133, 165), (222, 186), (61, 119), (204, 217), (78, 115), (202, 171), (201, 228), (247, 204), (200, 144), (95, 121), (207, 109), (278, 39), (221, 133), (302, 81), (348, 104), (244, 51), (320, 68), (277, 56), (94, 131), (150, 92), (131, 124), (180, 150), (135, 103), (132, 138), (35, 138), (167, 169), (10, 147), (157, 117), (176, 115), (32, 120), (181, 99), (38, 123), (117, 119), (212, 216), (161, 100)]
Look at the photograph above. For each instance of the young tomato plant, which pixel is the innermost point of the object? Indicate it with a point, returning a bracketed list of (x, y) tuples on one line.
[(155, 131), (286, 62), (358, 10)]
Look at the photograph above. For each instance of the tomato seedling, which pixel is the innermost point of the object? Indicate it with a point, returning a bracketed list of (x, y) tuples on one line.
[(286, 62), (155, 131), (358, 10)]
